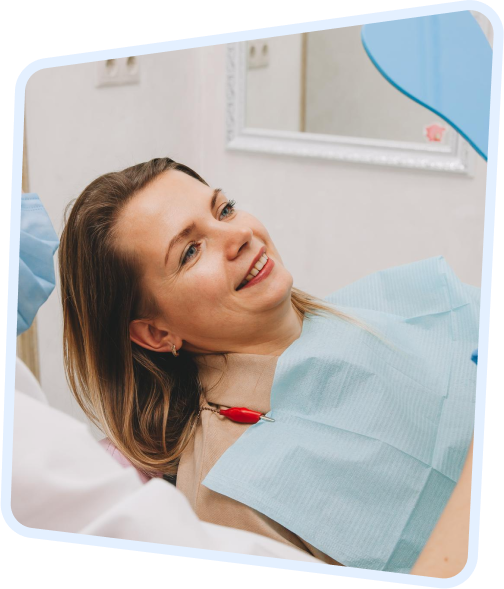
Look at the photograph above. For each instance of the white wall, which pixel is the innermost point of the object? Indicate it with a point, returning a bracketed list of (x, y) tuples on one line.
[(273, 96), (333, 223)]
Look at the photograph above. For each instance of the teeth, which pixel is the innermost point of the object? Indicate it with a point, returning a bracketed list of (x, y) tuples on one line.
[(259, 265)]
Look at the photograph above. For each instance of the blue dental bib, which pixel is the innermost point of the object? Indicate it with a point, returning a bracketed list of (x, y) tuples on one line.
[(372, 426)]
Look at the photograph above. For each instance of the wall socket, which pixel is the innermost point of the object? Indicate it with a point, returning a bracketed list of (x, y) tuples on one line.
[(258, 53), (118, 71)]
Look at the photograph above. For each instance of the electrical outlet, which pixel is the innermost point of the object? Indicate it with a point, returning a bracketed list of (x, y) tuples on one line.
[(258, 53), (118, 71)]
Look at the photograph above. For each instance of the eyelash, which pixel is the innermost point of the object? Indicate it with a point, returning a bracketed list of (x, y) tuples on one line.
[(230, 204)]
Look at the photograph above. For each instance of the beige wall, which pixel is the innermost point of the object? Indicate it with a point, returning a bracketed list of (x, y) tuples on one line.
[(333, 223)]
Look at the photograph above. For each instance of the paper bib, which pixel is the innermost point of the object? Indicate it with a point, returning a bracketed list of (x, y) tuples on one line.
[(371, 430)]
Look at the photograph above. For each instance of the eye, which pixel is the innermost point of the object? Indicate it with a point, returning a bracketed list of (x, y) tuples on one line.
[(194, 248), (191, 252), (228, 210)]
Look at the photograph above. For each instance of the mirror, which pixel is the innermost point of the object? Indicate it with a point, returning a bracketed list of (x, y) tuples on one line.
[(325, 83), (317, 94)]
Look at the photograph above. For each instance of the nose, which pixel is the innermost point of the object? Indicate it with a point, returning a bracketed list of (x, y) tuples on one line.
[(237, 239)]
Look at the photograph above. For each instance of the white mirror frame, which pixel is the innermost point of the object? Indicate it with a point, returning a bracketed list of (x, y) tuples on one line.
[(455, 156)]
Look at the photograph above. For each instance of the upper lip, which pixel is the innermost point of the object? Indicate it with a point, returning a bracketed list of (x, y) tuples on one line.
[(256, 259)]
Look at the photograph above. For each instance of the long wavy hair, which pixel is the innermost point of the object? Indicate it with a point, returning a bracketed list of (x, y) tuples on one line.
[(145, 402)]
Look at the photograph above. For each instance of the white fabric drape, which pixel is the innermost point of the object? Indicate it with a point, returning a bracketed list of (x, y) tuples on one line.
[(64, 480)]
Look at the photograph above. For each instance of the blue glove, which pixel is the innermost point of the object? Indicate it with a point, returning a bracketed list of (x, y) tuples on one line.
[(38, 243)]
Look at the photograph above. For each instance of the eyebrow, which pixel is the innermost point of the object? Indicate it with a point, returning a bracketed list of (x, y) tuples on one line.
[(190, 228)]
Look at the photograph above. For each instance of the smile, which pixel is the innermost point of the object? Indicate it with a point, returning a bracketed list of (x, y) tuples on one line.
[(258, 272)]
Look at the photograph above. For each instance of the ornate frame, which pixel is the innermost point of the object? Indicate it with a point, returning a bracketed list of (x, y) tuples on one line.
[(456, 156)]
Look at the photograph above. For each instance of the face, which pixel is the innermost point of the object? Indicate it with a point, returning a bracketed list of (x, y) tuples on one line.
[(197, 251)]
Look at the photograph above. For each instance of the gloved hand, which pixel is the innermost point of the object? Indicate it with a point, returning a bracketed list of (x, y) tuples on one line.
[(38, 242)]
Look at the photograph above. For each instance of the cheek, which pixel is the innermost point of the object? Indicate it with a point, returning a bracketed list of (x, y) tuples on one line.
[(200, 288)]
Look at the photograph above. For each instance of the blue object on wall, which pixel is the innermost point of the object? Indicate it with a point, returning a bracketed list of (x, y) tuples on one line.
[(474, 356), (443, 62)]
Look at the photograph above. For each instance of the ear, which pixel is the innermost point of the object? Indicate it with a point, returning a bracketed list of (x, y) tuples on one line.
[(147, 335)]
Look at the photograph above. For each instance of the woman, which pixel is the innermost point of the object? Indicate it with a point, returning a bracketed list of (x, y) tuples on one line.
[(176, 305)]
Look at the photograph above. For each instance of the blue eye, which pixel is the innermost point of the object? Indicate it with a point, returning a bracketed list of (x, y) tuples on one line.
[(191, 252), (228, 210), (194, 248)]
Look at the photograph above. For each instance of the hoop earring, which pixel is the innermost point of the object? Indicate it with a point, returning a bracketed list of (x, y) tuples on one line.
[(174, 350)]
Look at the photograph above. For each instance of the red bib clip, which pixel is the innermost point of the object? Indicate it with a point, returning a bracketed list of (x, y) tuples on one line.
[(244, 415)]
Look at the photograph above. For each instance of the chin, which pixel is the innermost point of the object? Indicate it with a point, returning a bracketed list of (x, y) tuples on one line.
[(280, 290)]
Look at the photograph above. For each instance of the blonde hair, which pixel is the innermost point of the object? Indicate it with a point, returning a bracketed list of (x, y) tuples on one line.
[(145, 402)]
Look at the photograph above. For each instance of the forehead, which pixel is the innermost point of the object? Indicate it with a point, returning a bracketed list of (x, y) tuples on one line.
[(160, 210), (171, 189)]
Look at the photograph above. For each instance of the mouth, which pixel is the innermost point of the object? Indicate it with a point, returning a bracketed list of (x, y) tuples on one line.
[(258, 271)]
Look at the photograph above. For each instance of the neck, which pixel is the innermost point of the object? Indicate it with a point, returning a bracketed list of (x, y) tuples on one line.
[(281, 332), (277, 340)]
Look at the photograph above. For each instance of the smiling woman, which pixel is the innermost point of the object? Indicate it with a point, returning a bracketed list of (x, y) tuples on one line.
[(151, 264), (177, 305)]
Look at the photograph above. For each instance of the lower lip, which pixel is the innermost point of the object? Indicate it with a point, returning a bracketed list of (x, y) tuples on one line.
[(264, 273)]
